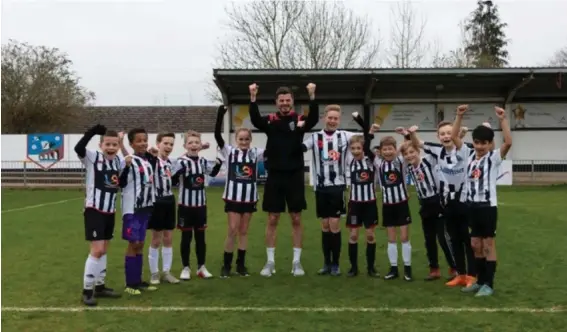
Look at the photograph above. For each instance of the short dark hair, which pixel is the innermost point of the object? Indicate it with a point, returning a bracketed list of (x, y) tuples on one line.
[(283, 90), (109, 133), (483, 134), (376, 147), (133, 132), (161, 136)]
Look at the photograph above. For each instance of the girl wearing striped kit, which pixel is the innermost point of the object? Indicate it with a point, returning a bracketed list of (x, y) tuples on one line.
[(240, 192)]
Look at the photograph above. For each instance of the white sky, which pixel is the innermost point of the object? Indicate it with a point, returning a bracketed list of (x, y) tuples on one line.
[(162, 52)]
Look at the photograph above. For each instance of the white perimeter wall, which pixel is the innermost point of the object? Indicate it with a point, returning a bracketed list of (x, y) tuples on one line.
[(528, 145)]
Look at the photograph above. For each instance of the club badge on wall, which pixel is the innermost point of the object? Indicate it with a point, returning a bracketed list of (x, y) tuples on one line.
[(45, 150)]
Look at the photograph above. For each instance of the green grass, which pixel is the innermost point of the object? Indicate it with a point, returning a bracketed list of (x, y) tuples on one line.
[(43, 255)]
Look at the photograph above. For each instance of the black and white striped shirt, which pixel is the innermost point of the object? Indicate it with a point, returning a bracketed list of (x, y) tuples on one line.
[(362, 187), (482, 175), (163, 172), (328, 160), (425, 177), (242, 173), (102, 181), (192, 172), (452, 171), (392, 175), (139, 191)]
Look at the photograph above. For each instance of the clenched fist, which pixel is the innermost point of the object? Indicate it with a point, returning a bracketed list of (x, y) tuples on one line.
[(462, 109), (500, 112), (128, 160), (253, 88), (311, 89)]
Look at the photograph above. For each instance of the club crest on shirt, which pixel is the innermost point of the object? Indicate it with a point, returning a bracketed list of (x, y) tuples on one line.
[(292, 126)]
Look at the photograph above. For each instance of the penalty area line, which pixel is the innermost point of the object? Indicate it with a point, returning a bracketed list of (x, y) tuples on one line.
[(29, 207), (426, 310)]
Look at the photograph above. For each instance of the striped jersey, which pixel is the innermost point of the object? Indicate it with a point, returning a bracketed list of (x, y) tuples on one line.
[(139, 191), (102, 181), (362, 187), (482, 175), (452, 168), (425, 177), (392, 175), (242, 173), (163, 171), (192, 172), (328, 160)]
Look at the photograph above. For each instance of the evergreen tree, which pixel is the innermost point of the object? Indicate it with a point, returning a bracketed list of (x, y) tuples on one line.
[(487, 45)]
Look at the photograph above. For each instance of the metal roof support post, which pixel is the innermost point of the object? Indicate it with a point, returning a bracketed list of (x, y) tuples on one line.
[(368, 100)]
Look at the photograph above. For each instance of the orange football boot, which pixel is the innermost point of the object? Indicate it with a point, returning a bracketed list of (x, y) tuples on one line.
[(460, 280)]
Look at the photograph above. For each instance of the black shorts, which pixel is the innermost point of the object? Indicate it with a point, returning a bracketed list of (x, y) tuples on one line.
[(330, 203), (284, 188), (396, 215), (362, 214), (163, 215), (430, 208), (482, 220), (241, 208), (189, 218), (98, 225)]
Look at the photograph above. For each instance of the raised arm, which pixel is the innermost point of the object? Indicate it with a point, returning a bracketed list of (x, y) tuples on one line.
[(313, 116), (457, 126), (505, 127), (214, 171), (221, 111), (121, 143), (255, 117), (81, 147), (368, 137)]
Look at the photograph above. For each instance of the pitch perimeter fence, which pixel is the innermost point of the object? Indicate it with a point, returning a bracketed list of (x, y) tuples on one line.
[(71, 174)]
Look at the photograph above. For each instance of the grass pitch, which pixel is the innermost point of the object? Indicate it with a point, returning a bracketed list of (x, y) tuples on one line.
[(43, 255)]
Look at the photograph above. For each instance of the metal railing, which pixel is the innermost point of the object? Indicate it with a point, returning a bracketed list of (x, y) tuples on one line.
[(71, 174)]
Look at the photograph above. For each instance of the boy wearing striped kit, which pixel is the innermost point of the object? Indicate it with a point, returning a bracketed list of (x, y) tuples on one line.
[(102, 183), (362, 209), (138, 196), (192, 203), (329, 173), (482, 163), (392, 172), (162, 221), (425, 177)]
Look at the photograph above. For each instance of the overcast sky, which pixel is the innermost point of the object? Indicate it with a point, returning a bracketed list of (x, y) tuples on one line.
[(151, 52)]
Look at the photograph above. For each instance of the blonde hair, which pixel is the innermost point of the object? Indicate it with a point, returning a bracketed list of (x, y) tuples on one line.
[(357, 139), (241, 129), (387, 140), (443, 124), (332, 107), (192, 133), (406, 145)]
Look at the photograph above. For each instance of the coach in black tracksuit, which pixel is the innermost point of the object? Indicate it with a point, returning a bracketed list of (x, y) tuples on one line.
[(285, 182)]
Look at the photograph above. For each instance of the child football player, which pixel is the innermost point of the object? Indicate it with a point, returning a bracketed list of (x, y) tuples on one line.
[(192, 203), (102, 183), (482, 164), (240, 192), (362, 209), (162, 221), (138, 198), (392, 172), (425, 178)]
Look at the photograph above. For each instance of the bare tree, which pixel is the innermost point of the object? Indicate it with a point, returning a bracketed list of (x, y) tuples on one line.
[(278, 34), (456, 58), (559, 59), (40, 91), (408, 47)]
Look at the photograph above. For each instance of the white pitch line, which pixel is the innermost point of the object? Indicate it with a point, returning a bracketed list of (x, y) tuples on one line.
[(550, 310), (41, 205)]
